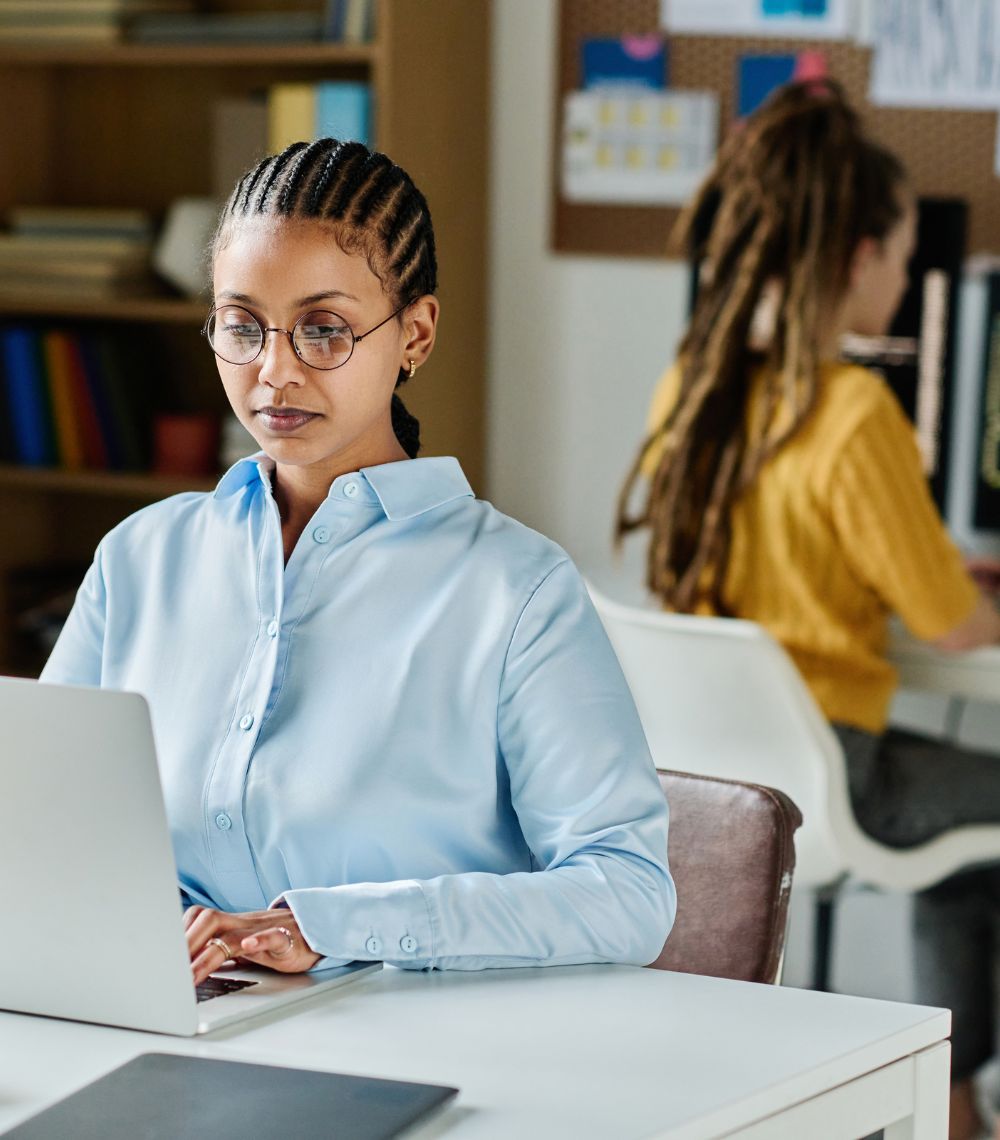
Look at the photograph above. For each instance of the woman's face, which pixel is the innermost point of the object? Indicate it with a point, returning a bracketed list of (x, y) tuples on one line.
[(332, 421), (881, 275)]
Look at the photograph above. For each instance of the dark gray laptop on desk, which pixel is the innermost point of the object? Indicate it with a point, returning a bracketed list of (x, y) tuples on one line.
[(85, 852)]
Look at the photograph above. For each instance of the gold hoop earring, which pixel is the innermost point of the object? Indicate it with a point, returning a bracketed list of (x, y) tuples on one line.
[(413, 370)]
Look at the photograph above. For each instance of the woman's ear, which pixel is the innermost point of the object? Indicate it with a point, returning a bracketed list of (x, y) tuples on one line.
[(420, 321)]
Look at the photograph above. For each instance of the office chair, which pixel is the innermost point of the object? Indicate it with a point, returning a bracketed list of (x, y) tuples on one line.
[(719, 696), (732, 855)]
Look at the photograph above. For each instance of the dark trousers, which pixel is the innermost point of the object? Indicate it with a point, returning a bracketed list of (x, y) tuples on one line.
[(906, 789)]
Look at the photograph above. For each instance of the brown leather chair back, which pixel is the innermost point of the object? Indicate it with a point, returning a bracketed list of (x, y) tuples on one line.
[(731, 855)]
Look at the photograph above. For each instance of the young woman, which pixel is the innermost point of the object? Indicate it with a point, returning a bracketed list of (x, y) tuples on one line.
[(785, 486), (380, 706)]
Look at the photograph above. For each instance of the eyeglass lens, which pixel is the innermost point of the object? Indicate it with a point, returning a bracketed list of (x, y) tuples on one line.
[(321, 339)]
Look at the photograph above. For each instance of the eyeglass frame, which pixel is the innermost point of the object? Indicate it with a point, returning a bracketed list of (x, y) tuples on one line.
[(290, 333)]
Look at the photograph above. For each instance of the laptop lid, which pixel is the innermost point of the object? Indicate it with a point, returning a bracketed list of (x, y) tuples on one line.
[(85, 849)]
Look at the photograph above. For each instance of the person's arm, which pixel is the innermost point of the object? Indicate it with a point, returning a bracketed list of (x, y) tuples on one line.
[(981, 627), (589, 806), (893, 536), (77, 658), (985, 572)]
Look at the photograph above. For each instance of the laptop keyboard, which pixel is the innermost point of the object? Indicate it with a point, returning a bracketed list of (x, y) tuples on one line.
[(213, 987)]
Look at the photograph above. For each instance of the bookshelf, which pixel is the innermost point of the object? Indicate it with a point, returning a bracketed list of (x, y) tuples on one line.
[(128, 125), (195, 55), (155, 310), (187, 55)]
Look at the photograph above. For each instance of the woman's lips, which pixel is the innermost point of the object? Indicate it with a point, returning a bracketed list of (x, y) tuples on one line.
[(284, 419)]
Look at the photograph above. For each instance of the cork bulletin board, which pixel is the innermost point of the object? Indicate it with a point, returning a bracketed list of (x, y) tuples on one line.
[(948, 153)]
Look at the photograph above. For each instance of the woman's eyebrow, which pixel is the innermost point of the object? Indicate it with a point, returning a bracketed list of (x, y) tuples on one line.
[(231, 295), (339, 293)]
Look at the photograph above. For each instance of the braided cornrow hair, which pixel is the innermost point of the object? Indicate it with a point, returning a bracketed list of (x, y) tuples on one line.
[(375, 210), (793, 191)]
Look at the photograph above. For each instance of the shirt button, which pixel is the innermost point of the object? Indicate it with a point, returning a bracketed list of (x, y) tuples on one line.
[(272, 629), (321, 534), (373, 946), (350, 490), (223, 822), (246, 722), (407, 944)]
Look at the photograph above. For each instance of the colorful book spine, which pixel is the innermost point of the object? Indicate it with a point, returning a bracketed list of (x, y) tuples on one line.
[(334, 17), (27, 397), (357, 21), (8, 451), (343, 111), (95, 453), (119, 371), (66, 430), (291, 114), (109, 417), (71, 399)]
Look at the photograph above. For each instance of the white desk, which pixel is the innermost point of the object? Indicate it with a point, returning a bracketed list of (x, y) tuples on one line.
[(974, 675), (571, 1053)]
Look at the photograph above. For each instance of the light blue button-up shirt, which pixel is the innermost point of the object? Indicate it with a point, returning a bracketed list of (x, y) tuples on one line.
[(415, 733)]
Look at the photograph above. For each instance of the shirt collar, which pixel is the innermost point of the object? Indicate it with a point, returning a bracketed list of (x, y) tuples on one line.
[(404, 489), (413, 486), (244, 471)]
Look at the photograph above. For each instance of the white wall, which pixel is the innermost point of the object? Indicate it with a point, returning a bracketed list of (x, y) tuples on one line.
[(577, 343)]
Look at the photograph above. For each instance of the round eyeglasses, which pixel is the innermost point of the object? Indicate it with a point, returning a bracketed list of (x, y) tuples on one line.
[(320, 339)]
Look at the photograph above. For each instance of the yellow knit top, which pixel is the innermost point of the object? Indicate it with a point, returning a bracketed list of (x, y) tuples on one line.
[(837, 532)]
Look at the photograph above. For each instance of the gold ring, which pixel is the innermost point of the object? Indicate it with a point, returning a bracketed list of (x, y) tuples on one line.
[(220, 945), (291, 944)]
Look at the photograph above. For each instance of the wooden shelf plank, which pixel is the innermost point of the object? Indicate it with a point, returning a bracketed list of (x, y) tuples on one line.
[(158, 310), (187, 55), (105, 484)]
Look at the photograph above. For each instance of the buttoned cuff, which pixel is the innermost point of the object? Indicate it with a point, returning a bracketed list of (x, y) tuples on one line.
[(372, 922)]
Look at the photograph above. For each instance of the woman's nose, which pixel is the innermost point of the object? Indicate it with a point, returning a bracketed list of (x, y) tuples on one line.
[(280, 366)]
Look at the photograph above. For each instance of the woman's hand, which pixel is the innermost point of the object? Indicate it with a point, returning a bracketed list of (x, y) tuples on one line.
[(265, 937), (985, 571)]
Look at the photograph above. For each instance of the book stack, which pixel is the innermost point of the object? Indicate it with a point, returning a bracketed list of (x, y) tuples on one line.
[(75, 21), (349, 21), (69, 399), (80, 251), (226, 27), (340, 110)]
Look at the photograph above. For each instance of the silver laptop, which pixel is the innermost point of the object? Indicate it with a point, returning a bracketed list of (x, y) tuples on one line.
[(85, 851)]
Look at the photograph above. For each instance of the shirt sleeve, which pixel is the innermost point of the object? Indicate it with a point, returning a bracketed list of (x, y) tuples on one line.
[(890, 529), (590, 808), (77, 658)]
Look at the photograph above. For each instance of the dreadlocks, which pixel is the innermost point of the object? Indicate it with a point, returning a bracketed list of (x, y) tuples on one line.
[(793, 191), (375, 210)]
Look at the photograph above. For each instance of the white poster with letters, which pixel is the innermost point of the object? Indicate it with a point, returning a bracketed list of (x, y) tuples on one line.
[(936, 53), (810, 19)]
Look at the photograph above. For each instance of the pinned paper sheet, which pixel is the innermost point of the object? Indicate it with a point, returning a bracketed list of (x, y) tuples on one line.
[(759, 75), (802, 19), (639, 61), (936, 53), (634, 146)]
